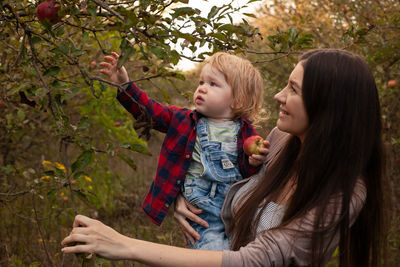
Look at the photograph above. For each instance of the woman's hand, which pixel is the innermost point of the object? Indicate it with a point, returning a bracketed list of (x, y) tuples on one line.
[(118, 76), (184, 210), (256, 160), (95, 237)]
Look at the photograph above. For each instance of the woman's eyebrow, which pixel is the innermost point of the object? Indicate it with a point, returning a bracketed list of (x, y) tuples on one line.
[(294, 84)]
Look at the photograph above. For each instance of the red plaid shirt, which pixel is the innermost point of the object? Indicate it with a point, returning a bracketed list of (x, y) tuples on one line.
[(179, 124)]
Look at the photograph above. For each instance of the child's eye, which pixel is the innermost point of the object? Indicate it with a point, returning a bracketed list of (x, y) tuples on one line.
[(201, 82), (213, 84)]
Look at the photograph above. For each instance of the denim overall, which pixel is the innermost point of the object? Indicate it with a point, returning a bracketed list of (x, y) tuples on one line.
[(208, 191)]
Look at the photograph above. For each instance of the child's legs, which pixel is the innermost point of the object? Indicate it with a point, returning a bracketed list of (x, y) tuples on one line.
[(213, 237)]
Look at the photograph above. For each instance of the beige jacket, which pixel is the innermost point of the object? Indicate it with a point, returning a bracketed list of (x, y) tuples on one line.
[(282, 247)]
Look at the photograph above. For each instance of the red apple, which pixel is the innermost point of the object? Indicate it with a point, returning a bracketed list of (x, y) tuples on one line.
[(48, 12), (93, 64), (117, 124), (253, 144), (186, 43), (392, 83), (1, 104), (344, 10)]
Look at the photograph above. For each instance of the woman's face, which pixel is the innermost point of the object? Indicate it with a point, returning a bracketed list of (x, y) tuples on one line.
[(293, 118)]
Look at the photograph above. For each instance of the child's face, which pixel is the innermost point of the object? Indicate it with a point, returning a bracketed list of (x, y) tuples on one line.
[(213, 97)]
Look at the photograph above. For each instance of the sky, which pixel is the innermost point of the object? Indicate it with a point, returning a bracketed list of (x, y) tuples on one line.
[(205, 6)]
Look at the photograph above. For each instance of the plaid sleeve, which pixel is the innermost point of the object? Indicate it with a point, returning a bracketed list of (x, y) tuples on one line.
[(133, 96)]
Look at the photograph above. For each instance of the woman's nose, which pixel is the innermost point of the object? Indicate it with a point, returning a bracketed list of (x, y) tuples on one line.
[(281, 96)]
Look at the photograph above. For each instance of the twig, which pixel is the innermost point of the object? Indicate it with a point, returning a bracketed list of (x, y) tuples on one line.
[(66, 164), (270, 53), (270, 60), (15, 194), (50, 104), (147, 78), (122, 3), (40, 231), (106, 7), (21, 50)]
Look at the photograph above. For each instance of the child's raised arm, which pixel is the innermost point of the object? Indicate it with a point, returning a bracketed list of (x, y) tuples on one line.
[(109, 68)]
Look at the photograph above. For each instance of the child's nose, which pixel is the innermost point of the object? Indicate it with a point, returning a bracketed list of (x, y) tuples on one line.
[(202, 89)]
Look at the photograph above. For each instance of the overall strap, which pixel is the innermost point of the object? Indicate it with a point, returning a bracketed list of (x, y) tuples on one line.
[(203, 132)]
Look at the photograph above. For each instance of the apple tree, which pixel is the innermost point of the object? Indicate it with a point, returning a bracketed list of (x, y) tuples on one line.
[(60, 126)]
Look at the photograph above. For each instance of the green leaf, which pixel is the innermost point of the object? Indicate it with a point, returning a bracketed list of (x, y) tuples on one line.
[(16, 89), (158, 51), (82, 161), (60, 172), (80, 194), (91, 7), (250, 15), (230, 28), (213, 12), (52, 71), (78, 174), (126, 51), (127, 160), (83, 123), (185, 11), (21, 114), (136, 147), (52, 192), (174, 57)]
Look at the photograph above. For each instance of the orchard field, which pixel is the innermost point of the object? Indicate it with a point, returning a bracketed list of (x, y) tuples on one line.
[(68, 147)]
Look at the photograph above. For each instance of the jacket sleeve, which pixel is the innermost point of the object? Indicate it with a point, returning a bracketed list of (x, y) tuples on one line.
[(133, 97), (291, 244)]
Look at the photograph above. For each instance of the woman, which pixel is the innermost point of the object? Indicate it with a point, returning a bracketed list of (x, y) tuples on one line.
[(325, 155)]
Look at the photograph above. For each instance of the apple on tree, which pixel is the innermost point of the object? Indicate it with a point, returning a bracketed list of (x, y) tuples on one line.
[(253, 144), (392, 83), (47, 12)]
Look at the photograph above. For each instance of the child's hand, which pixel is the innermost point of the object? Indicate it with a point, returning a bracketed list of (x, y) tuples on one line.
[(118, 76), (256, 160)]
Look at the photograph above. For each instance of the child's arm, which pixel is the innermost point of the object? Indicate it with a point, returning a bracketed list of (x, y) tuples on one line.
[(134, 100)]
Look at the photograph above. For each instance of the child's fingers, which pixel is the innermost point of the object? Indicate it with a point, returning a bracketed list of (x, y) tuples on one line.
[(111, 59), (115, 55), (256, 158), (263, 151), (266, 144), (105, 65)]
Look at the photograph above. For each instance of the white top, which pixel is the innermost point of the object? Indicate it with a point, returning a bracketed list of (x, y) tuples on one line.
[(273, 212)]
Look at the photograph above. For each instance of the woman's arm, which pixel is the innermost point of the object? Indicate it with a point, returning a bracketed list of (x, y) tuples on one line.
[(108, 243)]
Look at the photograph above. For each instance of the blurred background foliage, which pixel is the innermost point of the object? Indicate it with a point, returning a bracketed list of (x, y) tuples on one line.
[(67, 146)]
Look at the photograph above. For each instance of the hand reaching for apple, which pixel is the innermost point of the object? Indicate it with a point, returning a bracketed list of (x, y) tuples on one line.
[(109, 68), (257, 149)]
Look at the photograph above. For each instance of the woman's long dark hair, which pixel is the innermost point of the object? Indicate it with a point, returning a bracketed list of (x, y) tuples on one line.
[(343, 144)]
